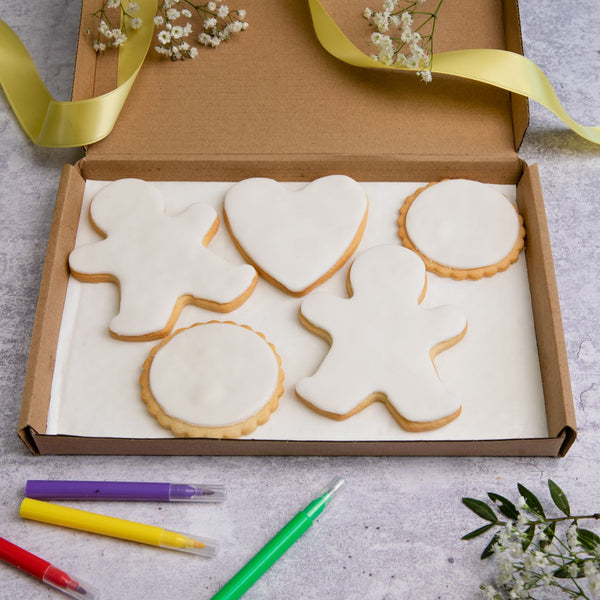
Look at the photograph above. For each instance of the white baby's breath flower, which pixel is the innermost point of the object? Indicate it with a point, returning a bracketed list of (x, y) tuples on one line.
[(425, 75), (164, 37), (220, 24), (573, 569), (489, 592), (572, 538), (406, 35), (381, 21), (522, 521), (204, 39), (119, 38), (590, 569)]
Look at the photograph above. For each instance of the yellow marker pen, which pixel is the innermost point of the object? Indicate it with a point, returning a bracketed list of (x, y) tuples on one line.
[(64, 516)]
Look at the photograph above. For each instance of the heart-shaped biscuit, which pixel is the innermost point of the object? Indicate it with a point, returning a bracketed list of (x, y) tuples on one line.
[(296, 239)]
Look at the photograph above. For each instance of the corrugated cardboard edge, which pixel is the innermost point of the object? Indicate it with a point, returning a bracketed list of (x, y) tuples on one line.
[(63, 444), (53, 287), (299, 167), (546, 311), (514, 43), (549, 333)]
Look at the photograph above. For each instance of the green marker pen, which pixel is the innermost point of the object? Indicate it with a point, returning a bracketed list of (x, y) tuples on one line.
[(245, 578)]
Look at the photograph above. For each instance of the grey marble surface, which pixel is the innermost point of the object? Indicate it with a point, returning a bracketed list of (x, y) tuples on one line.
[(395, 531)]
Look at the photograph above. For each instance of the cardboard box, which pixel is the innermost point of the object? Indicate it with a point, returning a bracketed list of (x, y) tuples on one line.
[(273, 103)]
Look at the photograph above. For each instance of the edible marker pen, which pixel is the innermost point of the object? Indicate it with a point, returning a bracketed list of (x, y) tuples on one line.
[(42, 489), (44, 571), (247, 576), (64, 516)]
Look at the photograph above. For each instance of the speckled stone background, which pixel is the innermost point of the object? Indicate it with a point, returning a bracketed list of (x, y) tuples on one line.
[(394, 533)]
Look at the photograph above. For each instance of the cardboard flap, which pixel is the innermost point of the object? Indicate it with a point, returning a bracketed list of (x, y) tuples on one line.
[(44, 339), (274, 91)]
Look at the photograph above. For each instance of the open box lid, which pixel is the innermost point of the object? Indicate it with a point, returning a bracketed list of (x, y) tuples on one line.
[(272, 102)]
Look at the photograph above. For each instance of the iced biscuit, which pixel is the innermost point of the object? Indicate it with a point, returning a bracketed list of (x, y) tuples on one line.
[(296, 239), (462, 229), (159, 262), (215, 379), (382, 343)]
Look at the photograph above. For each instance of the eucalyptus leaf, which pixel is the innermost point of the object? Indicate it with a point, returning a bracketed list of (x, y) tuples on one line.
[(529, 533), (478, 532), (481, 509), (588, 539), (489, 549), (534, 505), (505, 506), (549, 532), (559, 498), (563, 572)]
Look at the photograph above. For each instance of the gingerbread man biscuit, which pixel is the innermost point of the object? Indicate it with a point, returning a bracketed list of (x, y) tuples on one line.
[(159, 262), (382, 343)]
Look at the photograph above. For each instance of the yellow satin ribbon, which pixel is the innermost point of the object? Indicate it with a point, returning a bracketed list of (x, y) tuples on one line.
[(51, 123), (503, 69), (56, 124)]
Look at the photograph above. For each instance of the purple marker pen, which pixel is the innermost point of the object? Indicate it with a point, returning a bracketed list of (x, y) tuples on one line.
[(123, 490)]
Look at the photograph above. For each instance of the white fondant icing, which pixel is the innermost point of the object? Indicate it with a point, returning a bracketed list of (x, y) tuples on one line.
[(214, 375), (462, 224), (156, 258), (96, 390), (382, 340), (296, 237)]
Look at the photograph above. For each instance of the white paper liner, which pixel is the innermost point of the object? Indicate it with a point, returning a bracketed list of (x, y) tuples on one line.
[(494, 369)]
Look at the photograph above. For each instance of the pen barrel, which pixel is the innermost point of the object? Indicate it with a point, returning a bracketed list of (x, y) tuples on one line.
[(18, 557), (64, 516), (100, 490), (265, 558), (45, 512)]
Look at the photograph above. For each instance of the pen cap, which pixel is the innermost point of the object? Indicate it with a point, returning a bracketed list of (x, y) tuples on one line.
[(333, 488), (189, 492), (74, 587), (188, 543)]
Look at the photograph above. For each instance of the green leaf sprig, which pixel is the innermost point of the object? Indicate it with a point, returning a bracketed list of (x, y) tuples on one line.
[(536, 552)]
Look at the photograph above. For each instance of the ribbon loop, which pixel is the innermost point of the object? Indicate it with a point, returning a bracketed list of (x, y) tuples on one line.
[(507, 70), (50, 123)]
